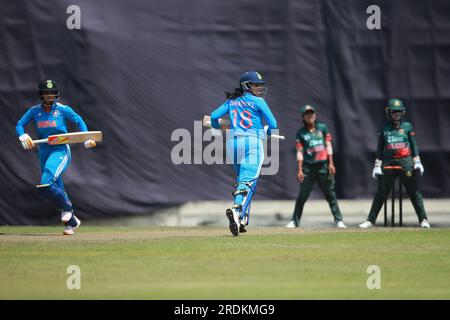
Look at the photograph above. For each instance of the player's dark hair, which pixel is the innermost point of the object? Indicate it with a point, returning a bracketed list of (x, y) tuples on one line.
[(233, 95)]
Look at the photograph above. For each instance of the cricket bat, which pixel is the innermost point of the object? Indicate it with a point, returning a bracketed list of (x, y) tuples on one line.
[(72, 137), (225, 125)]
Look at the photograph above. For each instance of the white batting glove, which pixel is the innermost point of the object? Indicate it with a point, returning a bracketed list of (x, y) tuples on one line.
[(89, 144), (27, 142), (418, 165), (377, 169)]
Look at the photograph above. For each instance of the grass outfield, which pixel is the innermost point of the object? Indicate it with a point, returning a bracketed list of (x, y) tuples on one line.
[(207, 263)]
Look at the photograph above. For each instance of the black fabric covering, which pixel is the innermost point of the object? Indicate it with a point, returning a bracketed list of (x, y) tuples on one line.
[(137, 70)]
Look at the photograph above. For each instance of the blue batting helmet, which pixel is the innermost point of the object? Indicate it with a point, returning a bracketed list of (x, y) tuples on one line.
[(250, 79)]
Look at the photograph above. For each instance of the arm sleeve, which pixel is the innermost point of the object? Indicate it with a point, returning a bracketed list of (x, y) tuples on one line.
[(413, 142), (268, 116), (216, 114), (299, 147), (75, 118), (327, 139), (380, 147), (326, 134), (26, 118)]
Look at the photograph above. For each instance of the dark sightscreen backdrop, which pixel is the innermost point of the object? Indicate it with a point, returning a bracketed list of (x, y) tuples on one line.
[(137, 70)]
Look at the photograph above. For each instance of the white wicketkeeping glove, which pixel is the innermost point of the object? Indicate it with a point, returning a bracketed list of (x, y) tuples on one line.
[(89, 144), (418, 165), (377, 169), (27, 142)]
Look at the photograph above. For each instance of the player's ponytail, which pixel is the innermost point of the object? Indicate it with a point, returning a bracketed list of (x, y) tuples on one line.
[(233, 95)]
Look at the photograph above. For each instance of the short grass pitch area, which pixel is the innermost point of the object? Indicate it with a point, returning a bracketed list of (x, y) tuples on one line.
[(207, 263)]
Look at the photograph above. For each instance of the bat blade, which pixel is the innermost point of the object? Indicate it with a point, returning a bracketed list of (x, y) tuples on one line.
[(74, 137)]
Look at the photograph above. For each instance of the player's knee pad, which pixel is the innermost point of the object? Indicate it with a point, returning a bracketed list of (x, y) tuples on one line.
[(240, 192), (240, 189), (56, 196), (245, 190)]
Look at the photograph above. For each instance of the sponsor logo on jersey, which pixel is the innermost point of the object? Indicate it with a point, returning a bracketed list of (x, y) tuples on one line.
[(319, 152), (55, 113), (396, 146), (394, 139), (46, 124), (315, 143), (315, 149)]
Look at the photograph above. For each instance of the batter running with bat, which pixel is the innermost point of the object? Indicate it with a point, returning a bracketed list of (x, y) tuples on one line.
[(397, 147), (315, 163), (246, 108), (50, 118)]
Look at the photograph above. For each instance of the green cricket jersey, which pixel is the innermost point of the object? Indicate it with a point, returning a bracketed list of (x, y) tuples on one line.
[(312, 144), (397, 146)]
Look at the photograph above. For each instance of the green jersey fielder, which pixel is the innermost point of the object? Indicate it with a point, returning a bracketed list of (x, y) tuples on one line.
[(397, 147), (315, 163)]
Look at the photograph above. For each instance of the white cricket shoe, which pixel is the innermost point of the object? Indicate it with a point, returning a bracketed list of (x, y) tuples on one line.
[(425, 224), (341, 225), (69, 230), (66, 215), (291, 224), (234, 219), (366, 225)]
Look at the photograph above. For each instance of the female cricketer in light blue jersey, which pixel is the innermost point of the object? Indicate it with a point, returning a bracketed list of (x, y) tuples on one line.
[(246, 108), (50, 117)]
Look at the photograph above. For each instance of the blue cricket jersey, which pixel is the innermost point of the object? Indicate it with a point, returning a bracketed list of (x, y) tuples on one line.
[(246, 113), (50, 123)]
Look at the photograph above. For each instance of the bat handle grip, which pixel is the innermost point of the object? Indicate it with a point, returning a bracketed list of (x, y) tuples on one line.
[(40, 141)]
